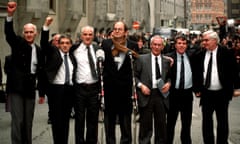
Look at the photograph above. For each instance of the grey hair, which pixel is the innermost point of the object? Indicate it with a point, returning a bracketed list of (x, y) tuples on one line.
[(32, 25), (154, 37), (87, 27), (212, 34)]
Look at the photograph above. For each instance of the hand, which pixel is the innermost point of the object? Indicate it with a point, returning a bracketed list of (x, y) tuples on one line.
[(236, 93), (11, 8), (166, 87), (198, 94), (171, 60), (145, 90), (41, 100), (48, 21)]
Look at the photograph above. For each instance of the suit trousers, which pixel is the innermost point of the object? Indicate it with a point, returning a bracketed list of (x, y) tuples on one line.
[(22, 112), (125, 126), (155, 111), (60, 106), (213, 101), (86, 106), (180, 101)]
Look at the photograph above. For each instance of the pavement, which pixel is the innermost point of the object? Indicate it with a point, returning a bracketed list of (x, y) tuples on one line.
[(42, 133)]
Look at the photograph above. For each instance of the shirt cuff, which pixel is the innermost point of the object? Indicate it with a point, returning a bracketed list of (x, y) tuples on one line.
[(9, 18), (139, 85), (45, 28)]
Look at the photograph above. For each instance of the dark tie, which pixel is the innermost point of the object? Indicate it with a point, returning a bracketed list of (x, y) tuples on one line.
[(91, 63), (158, 75), (67, 73), (209, 71), (181, 83)]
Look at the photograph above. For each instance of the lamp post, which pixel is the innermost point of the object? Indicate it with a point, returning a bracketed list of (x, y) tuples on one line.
[(175, 21)]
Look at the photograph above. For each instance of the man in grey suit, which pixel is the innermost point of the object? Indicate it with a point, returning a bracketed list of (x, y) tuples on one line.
[(152, 73)]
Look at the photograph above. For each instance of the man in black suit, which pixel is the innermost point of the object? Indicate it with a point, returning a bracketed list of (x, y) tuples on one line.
[(26, 68), (152, 73), (86, 105), (215, 82), (117, 77), (181, 94), (59, 67)]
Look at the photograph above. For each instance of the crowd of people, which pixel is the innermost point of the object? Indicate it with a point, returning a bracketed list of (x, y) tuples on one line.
[(164, 74)]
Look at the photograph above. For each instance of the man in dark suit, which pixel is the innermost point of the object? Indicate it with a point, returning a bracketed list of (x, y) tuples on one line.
[(26, 68), (181, 94), (59, 67), (152, 78), (117, 77), (215, 80), (86, 85)]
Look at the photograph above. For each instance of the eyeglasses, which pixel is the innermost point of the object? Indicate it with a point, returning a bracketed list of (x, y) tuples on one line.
[(206, 40), (118, 29)]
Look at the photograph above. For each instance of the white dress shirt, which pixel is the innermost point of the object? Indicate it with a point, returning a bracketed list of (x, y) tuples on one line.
[(214, 82), (83, 71), (60, 76)]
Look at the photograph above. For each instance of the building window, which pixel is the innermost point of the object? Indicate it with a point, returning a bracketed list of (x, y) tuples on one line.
[(3, 6), (111, 6), (52, 5), (84, 5), (235, 1)]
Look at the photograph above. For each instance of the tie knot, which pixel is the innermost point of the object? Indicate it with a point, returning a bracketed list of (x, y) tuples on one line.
[(182, 56)]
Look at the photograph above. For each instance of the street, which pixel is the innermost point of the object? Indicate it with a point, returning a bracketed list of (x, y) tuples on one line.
[(42, 131)]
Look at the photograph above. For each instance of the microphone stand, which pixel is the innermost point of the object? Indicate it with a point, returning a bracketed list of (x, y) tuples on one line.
[(101, 98), (134, 100)]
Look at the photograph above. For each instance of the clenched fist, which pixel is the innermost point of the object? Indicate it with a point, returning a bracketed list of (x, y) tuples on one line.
[(11, 8)]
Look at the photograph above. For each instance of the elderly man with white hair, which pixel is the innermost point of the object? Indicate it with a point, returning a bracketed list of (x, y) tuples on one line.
[(216, 82)]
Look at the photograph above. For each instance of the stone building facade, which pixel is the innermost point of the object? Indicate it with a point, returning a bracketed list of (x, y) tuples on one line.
[(70, 15)]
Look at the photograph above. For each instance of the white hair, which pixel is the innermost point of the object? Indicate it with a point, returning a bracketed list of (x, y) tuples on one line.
[(212, 34)]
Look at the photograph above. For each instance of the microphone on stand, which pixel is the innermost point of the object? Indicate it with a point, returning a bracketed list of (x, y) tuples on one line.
[(100, 59), (100, 55)]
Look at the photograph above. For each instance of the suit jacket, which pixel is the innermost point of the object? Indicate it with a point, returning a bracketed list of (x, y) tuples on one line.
[(227, 72), (143, 74), (173, 55), (117, 82), (23, 81), (53, 58)]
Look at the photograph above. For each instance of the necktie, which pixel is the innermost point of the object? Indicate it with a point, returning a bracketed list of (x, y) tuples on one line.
[(158, 75), (67, 73), (91, 63), (209, 71), (181, 83)]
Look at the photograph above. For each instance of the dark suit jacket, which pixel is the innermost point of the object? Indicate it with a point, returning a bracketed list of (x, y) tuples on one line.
[(53, 58), (227, 71), (117, 83), (143, 74), (8, 71), (24, 81), (174, 69)]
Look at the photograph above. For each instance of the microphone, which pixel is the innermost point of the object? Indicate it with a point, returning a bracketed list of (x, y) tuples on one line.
[(100, 55), (129, 52), (100, 59)]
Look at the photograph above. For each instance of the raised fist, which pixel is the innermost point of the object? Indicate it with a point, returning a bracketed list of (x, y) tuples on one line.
[(11, 7), (48, 21)]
